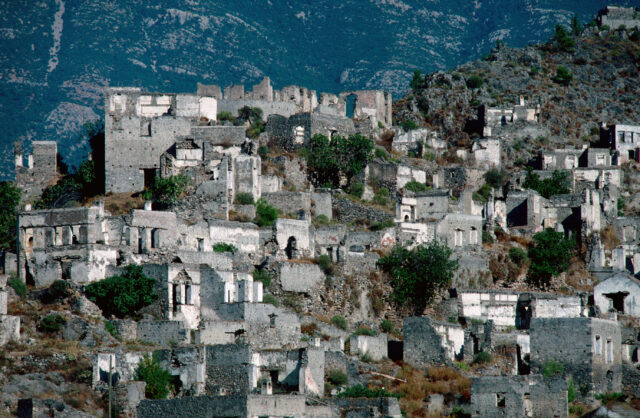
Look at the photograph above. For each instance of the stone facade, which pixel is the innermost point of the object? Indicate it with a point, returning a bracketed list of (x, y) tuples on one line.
[(518, 396), (40, 171), (590, 351)]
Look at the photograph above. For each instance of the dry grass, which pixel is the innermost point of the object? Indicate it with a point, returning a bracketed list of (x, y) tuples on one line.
[(609, 238), (119, 203), (419, 385)]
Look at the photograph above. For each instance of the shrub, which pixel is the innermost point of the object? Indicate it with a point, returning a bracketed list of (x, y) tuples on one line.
[(563, 76), (550, 255), (111, 329), (51, 323), (263, 151), (620, 206), (256, 129), (18, 286), (338, 377), (362, 330), (571, 391), (483, 193), (482, 358), (517, 255), (157, 378), (610, 396), (558, 183), (381, 197), (380, 225), (321, 220), (429, 156), (59, 289), (9, 203), (123, 295), (266, 214), (356, 189), (381, 153), (417, 275), (416, 186), (309, 329), (552, 368), (486, 237), (366, 357), (223, 247), (387, 326), (262, 276), (244, 198), (409, 125), (325, 264), (475, 82), (226, 115), (494, 178), (292, 302), (359, 391), (340, 322), (166, 190), (270, 299)]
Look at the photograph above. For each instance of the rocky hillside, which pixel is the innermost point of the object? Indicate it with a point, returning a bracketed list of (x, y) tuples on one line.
[(56, 56), (603, 67)]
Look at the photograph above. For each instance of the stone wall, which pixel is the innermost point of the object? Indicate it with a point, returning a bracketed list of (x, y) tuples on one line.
[(162, 332), (430, 342), (374, 347), (300, 277), (589, 349), (40, 171)]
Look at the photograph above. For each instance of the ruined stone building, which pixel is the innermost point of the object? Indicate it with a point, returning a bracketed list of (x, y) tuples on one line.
[(40, 170), (615, 17), (623, 139)]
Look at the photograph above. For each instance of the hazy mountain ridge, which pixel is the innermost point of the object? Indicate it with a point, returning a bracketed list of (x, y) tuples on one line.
[(56, 56)]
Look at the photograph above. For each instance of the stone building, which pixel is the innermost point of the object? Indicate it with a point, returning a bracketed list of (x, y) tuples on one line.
[(40, 170), (618, 294), (491, 118), (140, 127), (487, 152), (615, 17), (518, 396), (623, 139), (297, 130), (588, 348), (429, 342), (9, 324)]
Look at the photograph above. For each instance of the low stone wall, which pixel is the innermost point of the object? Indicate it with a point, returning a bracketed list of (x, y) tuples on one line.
[(348, 211), (300, 277), (162, 332), (375, 347)]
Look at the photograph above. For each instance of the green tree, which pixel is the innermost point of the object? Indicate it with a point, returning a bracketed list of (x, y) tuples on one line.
[(550, 255), (328, 159), (558, 183), (417, 82), (576, 27), (251, 114), (355, 152), (123, 295), (9, 202), (563, 76), (157, 378), (563, 40), (323, 162), (418, 275)]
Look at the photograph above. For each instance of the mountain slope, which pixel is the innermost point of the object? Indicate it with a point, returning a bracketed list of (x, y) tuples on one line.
[(56, 56)]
